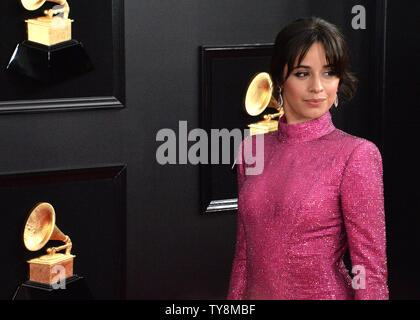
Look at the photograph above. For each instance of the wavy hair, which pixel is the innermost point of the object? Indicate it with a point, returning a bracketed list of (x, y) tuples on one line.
[(294, 41)]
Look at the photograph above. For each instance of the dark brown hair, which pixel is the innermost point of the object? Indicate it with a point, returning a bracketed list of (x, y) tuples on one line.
[(294, 41)]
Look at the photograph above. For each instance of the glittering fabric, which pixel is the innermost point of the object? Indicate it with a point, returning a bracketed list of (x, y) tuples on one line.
[(320, 193)]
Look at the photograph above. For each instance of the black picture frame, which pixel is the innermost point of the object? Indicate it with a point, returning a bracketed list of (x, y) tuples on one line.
[(90, 207), (225, 75), (99, 26)]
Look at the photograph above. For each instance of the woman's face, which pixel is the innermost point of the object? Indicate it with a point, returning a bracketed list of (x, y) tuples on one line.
[(311, 88)]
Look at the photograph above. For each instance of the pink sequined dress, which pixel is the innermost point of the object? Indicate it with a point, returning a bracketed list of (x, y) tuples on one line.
[(319, 194)]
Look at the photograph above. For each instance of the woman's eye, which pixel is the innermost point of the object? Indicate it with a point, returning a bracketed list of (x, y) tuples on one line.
[(303, 74)]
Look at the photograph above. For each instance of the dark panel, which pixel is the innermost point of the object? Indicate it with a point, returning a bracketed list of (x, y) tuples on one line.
[(226, 73), (401, 173), (90, 209), (99, 27)]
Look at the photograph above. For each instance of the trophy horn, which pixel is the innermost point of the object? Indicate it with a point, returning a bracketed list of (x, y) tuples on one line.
[(258, 97), (36, 4), (40, 228), (32, 4), (259, 94)]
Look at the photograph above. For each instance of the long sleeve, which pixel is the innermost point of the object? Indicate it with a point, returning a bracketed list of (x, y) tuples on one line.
[(362, 203), (238, 275)]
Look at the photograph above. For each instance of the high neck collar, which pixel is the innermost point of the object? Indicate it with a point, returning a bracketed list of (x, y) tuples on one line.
[(305, 131)]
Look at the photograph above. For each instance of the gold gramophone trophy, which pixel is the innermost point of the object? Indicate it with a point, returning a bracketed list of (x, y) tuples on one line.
[(49, 54), (39, 229), (51, 28), (259, 96)]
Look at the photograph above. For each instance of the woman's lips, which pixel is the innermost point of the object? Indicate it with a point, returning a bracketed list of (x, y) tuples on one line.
[(315, 102)]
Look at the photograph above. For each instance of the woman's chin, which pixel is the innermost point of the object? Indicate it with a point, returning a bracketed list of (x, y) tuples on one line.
[(308, 113)]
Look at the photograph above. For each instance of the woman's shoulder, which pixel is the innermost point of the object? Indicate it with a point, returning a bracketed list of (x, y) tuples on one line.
[(352, 143)]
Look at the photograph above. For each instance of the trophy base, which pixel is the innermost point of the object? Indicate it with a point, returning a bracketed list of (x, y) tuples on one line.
[(75, 289), (49, 31), (50, 269), (50, 64), (262, 127)]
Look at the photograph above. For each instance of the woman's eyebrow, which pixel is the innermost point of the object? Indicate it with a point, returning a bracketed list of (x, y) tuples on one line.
[(308, 67)]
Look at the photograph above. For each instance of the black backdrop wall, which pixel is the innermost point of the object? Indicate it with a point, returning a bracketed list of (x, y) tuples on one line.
[(401, 132), (172, 251)]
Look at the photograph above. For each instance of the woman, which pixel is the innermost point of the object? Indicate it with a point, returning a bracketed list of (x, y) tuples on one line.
[(321, 190)]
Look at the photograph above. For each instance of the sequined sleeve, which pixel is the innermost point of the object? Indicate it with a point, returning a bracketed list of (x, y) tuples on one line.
[(362, 203), (238, 275)]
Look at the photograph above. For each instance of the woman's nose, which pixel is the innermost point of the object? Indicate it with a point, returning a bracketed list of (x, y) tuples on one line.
[(316, 85)]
